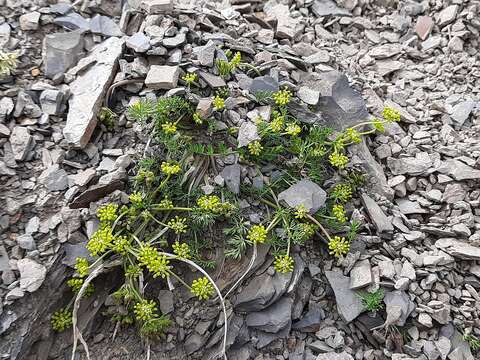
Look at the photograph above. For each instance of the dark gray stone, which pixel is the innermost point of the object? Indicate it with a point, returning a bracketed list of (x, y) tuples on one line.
[(310, 322), (349, 304), (105, 26), (272, 319), (398, 302), (263, 83), (231, 174), (73, 21), (61, 51), (306, 193)]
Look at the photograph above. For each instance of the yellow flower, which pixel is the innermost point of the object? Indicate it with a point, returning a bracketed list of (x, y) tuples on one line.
[(170, 168), (209, 203), (276, 125), (301, 211), (293, 129), (145, 310), (77, 283), (338, 246), (342, 192), (136, 198), (391, 114), (156, 263), (190, 78), (339, 212), (255, 148), (81, 266), (178, 225), (218, 103), (282, 97), (166, 203), (121, 245), (182, 250), (61, 320), (378, 125), (257, 234), (283, 264), (100, 241), (338, 159), (353, 135), (197, 118), (202, 288), (169, 128), (107, 212)]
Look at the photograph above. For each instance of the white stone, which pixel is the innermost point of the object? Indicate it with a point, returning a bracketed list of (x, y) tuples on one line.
[(162, 77), (32, 274)]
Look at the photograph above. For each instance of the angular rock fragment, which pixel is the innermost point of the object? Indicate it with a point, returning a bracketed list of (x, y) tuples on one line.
[(29, 21), (89, 89), (272, 319), (54, 178), (398, 307), (349, 304), (138, 42), (458, 170), (306, 193), (381, 221), (328, 8), (424, 26), (51, 101), (458, 249), (73, 21), (247, 133), (411, 166), (462, 110), (156, 6), (22, 142), (231, 174), (32, 274), (263, 84), (105, 26), (61, 51), (162, 77)]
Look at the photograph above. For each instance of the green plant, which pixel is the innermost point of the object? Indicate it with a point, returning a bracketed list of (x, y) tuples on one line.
[(373, 301), (227, 67), (107, 117), (338, 246), (8, 63), (473, 341)]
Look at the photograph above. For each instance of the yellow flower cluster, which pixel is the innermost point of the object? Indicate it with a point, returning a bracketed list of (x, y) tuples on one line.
[(293, 129), (209, 203), (342, 192), (202, 288), (255, 148), (282, 97), (301, 211), (156, 263), (276, 125), (197, 118), (169, 127), (338, 159), (182, 250), (284, 264), (391, 114), (107, 212), (353, 135), (218, 103), (338, 246), (100, 241), (145, 310), (190, 78), (81, 266), (61, 320), (121, 244), (170, 168), (178, 225), (136, 198), (257, 234), (339, 212), (166, 203)]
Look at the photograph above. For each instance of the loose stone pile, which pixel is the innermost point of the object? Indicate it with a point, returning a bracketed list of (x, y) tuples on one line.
[(344, 60)]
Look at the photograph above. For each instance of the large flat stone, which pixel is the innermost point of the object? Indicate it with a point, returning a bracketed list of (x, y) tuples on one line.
[(349, 304), (88, 91), (458, 249), (272, 319), (61, 51), (306, 193)]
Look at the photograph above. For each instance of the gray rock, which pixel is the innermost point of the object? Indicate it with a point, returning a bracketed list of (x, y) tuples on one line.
[(26, 106), (88, 91), (51, 102), (231, 174), (105, 26), (320, 56), (411, 166), (26, 242), (175, 41), (349, 305), (340, 105), (247, 134), (328, 8), (157, 6), (139, 42), (14, 294), (410, 207), (206, 54), (6, 108), (61, 8), (32, 274), (306, 193), (73, 21), (361, 275), (54, 178), (212, 80), (4, 34), (380, 220), (4, 259), (462, 110), (29, 21), (22, 142), (447, 15), (308, 95), (263, 84), (272, 319), (61, 51), (165, 298), (458, 170), (193, 343), (310, 322), (74, 251), (32, 225), (398, 307), (335, 356), (458, 249), (162, 77)]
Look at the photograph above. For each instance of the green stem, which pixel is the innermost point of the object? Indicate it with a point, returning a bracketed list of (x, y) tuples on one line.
[(316, 222), (169, 209), (179, 279)]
